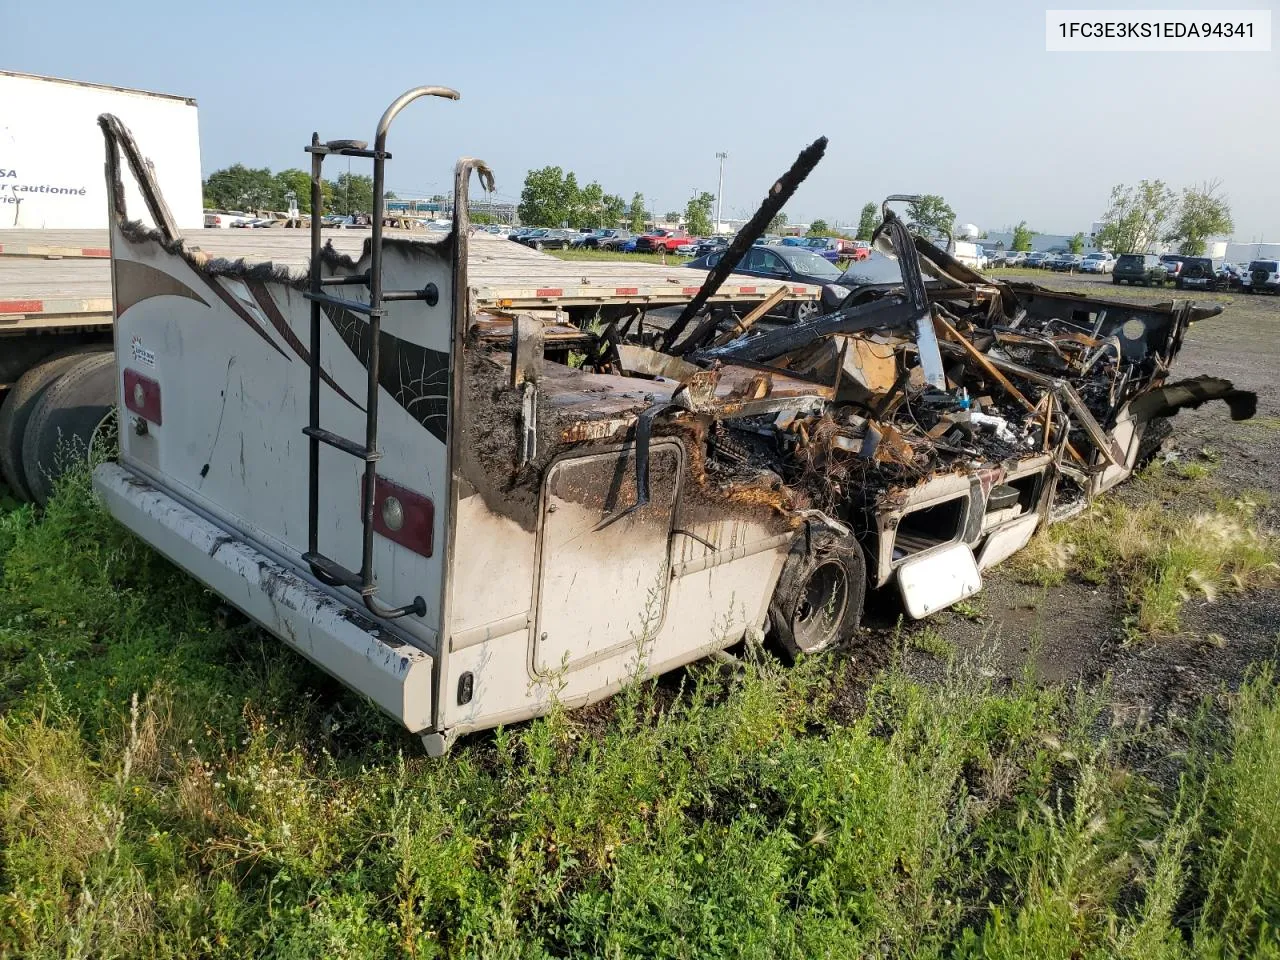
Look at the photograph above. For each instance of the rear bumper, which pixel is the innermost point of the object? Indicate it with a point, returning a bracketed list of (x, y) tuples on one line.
[(336, 636)]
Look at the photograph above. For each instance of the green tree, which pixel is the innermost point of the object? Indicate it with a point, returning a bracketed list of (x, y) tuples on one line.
[(352, 193), (299, 183), (1076, 243), (636, 213), (1137, 216), (777, 223), (868, 220), (613, 210), (1022, 236), (671, 216), (548, 197), (932, 211), (588, 209), (1204, 212), (238, 187), (819, 228), (697, 213)]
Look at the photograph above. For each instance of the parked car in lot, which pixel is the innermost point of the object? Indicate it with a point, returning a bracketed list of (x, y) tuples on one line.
[(1035, 260), (710, 245), (792, 264), (1172, 263), (1066, 263), (688, 249), (1200, 273), (661, 240), (828, 248), (519, 233), (1139, 268), (1264, 276), (545, 239), (858, 250), (223, 218), (1097, 262), (1013, 258), (605, 239)]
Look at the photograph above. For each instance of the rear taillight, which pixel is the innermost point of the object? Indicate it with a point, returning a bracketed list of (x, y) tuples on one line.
[(403, 516), (142, 396)]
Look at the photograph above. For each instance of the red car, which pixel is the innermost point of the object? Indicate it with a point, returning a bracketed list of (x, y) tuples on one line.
[(666, 240)]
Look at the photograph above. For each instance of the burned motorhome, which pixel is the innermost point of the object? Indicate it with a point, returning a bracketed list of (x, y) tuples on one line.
[(470, 480)]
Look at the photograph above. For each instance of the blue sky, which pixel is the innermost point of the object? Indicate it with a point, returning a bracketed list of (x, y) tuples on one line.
[(956, 99)]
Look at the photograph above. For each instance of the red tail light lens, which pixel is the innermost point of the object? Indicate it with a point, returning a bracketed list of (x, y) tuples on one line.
[(142, 396), (403, 516)]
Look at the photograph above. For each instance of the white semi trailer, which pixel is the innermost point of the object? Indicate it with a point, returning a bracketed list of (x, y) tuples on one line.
[(55, 290)]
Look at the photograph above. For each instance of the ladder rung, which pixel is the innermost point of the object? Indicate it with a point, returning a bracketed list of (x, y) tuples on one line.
[(332, 570), (347, 152), (357, 450), (429, 292), (355, 306), (361, 279)]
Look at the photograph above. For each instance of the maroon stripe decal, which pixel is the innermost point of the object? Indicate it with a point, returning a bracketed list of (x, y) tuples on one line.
[(226, 297), (268, 305)]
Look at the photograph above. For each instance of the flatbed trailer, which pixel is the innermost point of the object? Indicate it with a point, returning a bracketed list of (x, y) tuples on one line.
[(56, 297), (44, 273)]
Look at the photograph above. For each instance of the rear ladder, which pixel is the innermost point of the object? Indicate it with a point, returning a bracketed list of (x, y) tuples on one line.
[(325, 568)]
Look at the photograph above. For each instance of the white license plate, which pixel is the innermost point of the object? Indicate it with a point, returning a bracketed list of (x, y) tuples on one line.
[(1195, 282)]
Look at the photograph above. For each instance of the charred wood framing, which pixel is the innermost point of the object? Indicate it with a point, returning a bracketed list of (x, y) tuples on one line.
[(779, 194)]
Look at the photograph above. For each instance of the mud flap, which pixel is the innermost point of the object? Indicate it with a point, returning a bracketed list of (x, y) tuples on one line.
[(938, 579)]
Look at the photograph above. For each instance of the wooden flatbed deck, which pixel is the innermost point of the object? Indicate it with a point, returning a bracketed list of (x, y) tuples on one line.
[(56, 278)]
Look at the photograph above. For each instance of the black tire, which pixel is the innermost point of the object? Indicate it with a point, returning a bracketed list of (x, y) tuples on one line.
[(1154, 433), (818, 599), (1177, 284), (537, 245), (16, 411), (1116, 281), (64, 420)]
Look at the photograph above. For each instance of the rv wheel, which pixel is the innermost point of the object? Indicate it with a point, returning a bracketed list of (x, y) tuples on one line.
[(818, 600), (66, 419)]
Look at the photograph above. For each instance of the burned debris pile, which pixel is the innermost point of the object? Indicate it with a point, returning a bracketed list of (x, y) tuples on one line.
[(945, 372)]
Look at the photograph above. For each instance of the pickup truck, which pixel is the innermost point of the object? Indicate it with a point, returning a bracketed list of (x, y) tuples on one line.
[(666, 240)]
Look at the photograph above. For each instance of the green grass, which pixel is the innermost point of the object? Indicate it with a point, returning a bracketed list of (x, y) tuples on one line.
[(1175, 537), (172, 787)]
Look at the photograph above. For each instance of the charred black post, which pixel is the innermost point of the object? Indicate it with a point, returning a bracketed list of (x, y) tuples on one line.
[(779, 194)]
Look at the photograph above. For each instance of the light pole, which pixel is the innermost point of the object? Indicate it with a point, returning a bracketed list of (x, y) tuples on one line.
[(720, 192)]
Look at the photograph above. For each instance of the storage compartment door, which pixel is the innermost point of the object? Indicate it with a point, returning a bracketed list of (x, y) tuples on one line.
[(937, 579), (603, 592)]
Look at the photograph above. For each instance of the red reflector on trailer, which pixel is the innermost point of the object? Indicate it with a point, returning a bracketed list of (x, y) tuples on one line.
[(549, 292), (94, 252), (797, 289), (690, 291), (746, 289), (142, 396), (403, 516), (626, 291), (21, 306)]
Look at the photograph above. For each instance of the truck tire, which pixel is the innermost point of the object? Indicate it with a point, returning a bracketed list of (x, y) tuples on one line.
[(18, 406), (64, 420), (818, 599)]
